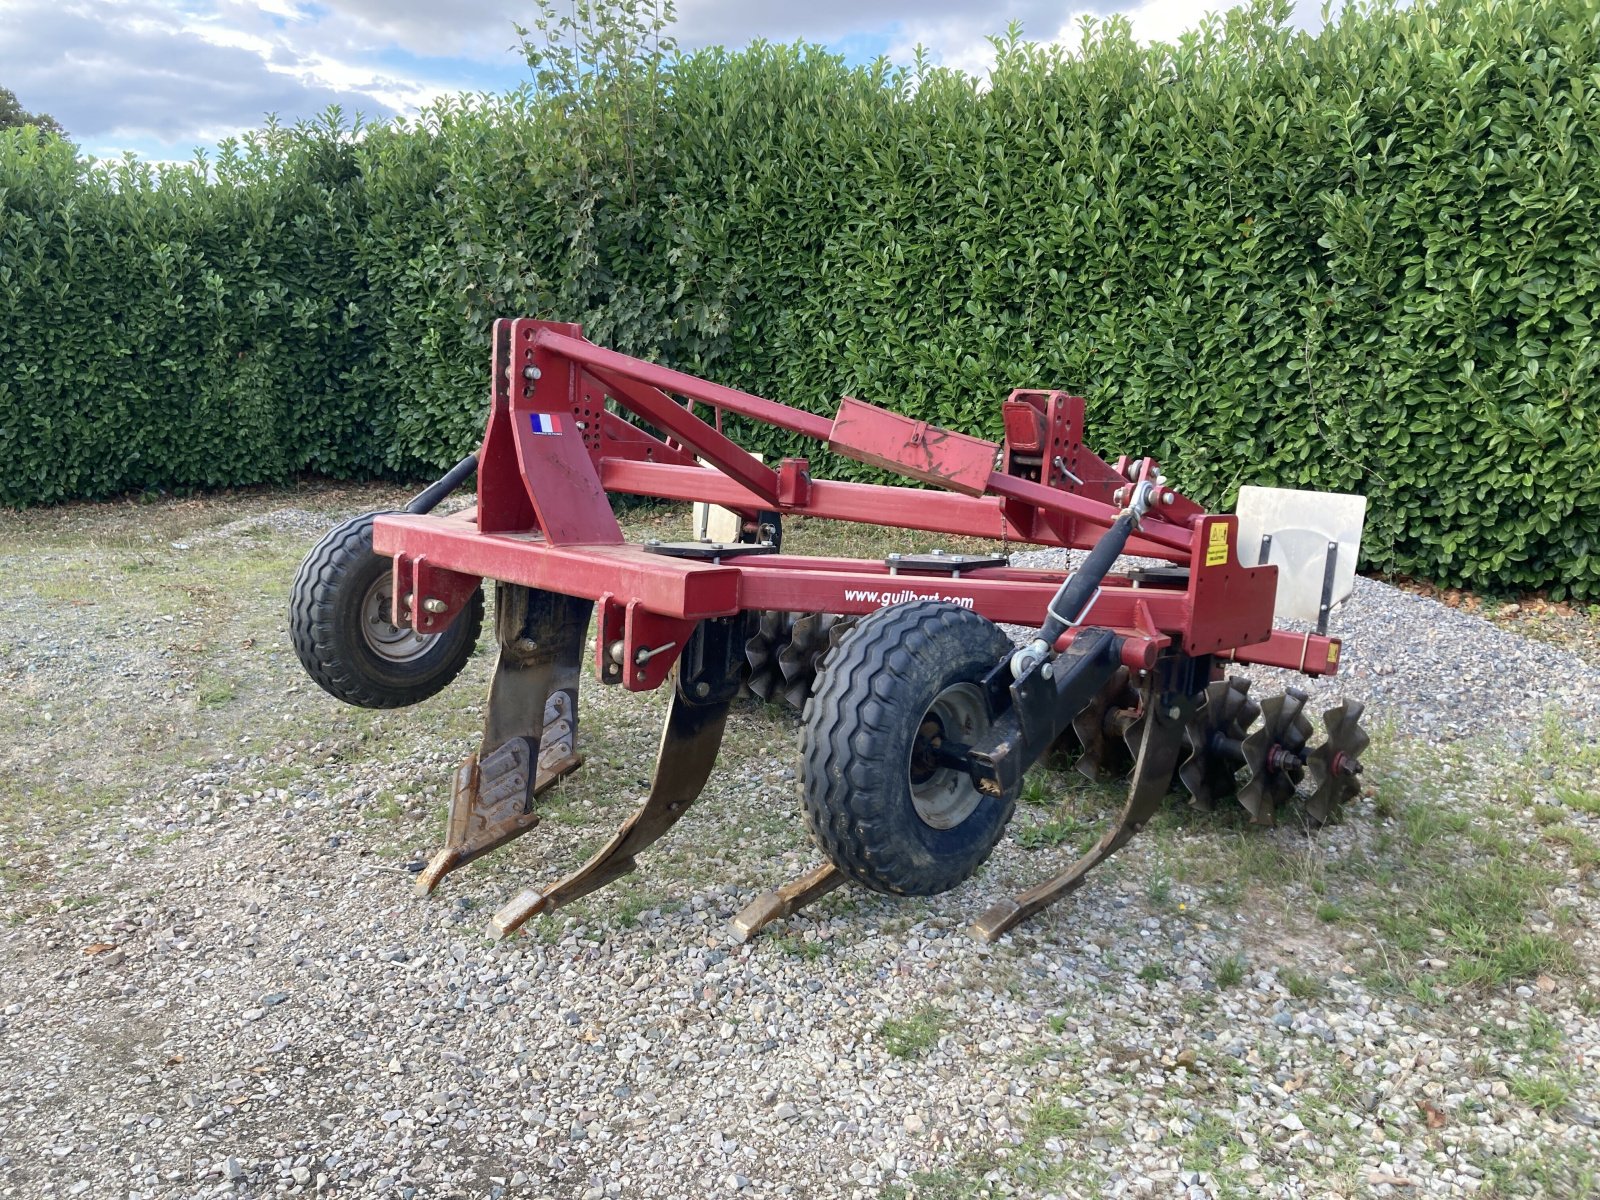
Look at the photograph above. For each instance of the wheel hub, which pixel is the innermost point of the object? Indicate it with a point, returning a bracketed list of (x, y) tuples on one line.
[(396, 643), (945, 796)]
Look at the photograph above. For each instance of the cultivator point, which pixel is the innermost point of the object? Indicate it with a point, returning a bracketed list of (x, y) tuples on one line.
[(920, 717)]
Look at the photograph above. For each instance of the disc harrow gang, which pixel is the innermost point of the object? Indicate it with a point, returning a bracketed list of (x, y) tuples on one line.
[(920, 718), (786, 651)]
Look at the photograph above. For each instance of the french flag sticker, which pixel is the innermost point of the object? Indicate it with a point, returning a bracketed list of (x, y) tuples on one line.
[(545, 422)]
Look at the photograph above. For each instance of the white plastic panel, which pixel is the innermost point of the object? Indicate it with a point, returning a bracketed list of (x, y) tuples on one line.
[(712, 522), (1302, 524)]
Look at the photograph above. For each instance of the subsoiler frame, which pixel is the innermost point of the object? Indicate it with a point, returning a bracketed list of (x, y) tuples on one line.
[(544, 528)]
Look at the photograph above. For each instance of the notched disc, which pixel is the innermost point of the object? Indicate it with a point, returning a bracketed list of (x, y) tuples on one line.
[(1214, 736), (1274, 756), (1102, 727), (1335, 766)]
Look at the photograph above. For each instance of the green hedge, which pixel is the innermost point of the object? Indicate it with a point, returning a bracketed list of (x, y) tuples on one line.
[(1365, 260)]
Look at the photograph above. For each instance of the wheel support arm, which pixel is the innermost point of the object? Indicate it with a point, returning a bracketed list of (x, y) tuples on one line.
[(1039, 707)]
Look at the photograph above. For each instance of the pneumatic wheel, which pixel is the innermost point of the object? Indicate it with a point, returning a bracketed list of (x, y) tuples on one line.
[(878, 799), (339, 622)]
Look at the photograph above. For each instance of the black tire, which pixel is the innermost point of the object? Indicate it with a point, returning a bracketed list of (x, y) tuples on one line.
[(329, 625), (865, 795)]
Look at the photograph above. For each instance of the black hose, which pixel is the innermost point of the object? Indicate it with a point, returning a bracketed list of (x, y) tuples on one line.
[(1077, 592), (428, 499)]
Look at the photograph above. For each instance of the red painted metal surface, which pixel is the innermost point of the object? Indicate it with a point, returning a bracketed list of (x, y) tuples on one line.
[(553, 450), (912, 448)]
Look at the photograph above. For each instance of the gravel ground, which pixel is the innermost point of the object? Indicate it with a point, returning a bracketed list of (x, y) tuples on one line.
[(218, 982)]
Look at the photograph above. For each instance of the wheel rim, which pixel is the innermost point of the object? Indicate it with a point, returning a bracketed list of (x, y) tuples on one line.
[(394, 643), (944, 796)]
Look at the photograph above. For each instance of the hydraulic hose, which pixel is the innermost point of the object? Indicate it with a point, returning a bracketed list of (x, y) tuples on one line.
[(1078, 590), (428, 499)]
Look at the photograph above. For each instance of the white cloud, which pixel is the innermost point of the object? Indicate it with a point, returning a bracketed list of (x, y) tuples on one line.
[(962, 41), (116, 72), (182, 72)]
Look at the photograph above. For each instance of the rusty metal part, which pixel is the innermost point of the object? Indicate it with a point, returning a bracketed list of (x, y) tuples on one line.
[(1152, 777), (1102, 728), (530, 727), (1335, 765), (1215, 736), (1275, 756), (785, 901), (704, 684)]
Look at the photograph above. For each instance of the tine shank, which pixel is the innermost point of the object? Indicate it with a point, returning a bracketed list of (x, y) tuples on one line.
[(690, 739), (529, 731), (1152, 777)]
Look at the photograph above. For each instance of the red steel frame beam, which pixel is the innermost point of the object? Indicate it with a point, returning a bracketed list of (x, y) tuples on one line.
[(611, 363), (642, 386), (550, 442), (827, 499), (691, 590)]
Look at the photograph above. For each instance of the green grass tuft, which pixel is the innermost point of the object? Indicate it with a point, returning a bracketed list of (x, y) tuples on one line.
[(914, 1035)]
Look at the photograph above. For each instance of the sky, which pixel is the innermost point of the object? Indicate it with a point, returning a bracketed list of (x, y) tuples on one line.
[(161, 77)]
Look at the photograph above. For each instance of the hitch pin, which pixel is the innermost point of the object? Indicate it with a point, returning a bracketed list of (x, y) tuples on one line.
[(642, 656)]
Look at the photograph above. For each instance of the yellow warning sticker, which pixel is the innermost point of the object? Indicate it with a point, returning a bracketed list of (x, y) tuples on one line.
[(1217, 547), (1333, 653)]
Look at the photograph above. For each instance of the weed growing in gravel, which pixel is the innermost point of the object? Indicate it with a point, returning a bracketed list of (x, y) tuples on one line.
[(631, 903), (1152, 972), (1583, 849), (1583, 801), (916, 1034), (1210, 1142), (1301, 986), (1229, 972), (1054, 833), (1038, 790), (213, 691), (798, 947), (1052, 1118), (1541, 1092), (1544, 1169), (965, 1182), (1330, 912)]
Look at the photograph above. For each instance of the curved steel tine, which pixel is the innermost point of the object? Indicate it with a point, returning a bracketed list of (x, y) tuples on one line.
[(690, 738), (1152, 778)]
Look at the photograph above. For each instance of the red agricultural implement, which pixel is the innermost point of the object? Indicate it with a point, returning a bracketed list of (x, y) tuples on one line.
[(920, 715)]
